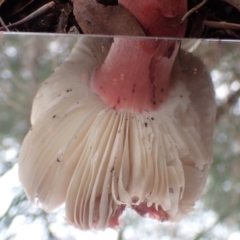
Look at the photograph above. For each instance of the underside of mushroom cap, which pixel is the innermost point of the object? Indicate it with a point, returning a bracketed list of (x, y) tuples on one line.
[(98, 160), (87, 55)]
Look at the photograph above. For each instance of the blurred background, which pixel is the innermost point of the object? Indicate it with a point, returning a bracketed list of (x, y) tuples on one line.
[(27, 60)]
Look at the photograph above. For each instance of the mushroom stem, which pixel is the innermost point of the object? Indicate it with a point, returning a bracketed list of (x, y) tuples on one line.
[(132, 76), (159, 17), (136, 74)]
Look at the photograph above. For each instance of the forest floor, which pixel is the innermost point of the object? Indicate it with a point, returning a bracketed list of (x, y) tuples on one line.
[(216, 19)]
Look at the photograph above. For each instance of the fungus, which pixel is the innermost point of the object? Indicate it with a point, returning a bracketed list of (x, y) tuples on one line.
[(159, 17), (123, 136)]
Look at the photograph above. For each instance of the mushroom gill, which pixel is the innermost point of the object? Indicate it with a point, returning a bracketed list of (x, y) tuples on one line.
[(99, 160)]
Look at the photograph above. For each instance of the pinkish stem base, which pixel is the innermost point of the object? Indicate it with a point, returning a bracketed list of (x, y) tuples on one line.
[(136, 74)]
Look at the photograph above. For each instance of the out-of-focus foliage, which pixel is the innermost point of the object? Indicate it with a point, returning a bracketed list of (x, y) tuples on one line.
[(25, 61), (223, 193)]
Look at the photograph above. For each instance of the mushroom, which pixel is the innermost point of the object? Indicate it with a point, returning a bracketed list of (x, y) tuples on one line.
[(159, 17), (121, 123)]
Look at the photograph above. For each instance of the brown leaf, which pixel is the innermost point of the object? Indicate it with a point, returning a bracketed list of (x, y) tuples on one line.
[(1, 2), (94, 18)]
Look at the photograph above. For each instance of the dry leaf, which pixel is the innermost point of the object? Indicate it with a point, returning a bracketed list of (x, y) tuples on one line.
[(1, 2), (95, 18)]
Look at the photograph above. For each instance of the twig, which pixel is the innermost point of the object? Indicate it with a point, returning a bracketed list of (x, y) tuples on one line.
[(191, 11), (235, 3), (224, 25), (231, 101), (4, 25), (221, 218), (20, 7), (5, 97), (42, 10)]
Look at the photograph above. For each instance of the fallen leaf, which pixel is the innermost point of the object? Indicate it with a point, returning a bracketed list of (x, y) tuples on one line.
[(95, 18)]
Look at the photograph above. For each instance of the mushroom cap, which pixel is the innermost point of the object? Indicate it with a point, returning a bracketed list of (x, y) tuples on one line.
[(98, 161)]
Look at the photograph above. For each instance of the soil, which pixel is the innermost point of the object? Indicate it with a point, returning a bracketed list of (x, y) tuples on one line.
[(60, 18)]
